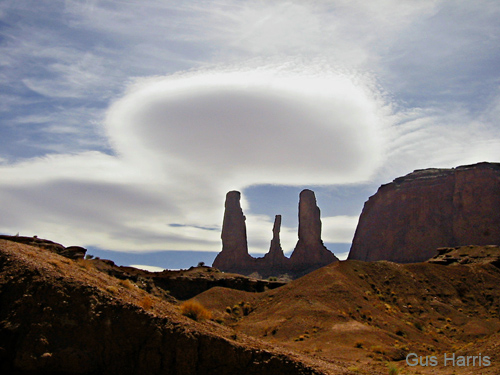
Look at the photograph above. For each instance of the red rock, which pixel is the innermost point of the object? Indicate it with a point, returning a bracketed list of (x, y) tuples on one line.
[(309, 254), (71, 252), (274, 262), (234, 256), (409, 218)]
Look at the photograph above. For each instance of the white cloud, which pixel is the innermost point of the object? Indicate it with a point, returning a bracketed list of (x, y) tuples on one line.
[(282, 124), (425, 138), (147, 268), (296, 115), (339, 229), (347, 32), (183, 141)]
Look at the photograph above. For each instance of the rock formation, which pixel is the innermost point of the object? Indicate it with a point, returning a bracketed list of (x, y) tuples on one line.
[(234, 256), (471, 254), (409, 218), (274, 262), (309, 254)]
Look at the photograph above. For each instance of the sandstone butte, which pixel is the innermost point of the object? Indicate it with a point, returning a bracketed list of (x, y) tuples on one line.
[(409, 218), (309, 254)]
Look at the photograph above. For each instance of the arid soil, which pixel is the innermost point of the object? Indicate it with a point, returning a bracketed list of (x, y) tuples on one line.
[(371, 315), (59, 316), (63, 316)]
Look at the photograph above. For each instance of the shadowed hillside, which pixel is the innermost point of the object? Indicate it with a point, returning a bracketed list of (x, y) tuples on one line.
[(371, 313), (61, 316)]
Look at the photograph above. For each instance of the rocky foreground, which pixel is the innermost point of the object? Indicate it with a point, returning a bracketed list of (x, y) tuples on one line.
[(61, 316), (64, 316)]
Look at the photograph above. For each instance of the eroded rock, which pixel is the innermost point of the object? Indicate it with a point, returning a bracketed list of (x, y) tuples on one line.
[(234, 256), (409, 218), (309, 254)]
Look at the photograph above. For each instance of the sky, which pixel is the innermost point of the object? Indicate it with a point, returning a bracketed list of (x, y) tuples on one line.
[(123, 124)]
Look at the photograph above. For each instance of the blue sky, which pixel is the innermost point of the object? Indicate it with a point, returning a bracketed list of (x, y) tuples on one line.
[(124, 123)]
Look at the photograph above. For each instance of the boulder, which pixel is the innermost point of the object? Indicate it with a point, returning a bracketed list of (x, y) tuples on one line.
[(409, 218), (74, 252)]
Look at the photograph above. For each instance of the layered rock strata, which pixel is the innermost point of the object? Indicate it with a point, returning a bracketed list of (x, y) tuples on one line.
[(309, 254), (409, 218)]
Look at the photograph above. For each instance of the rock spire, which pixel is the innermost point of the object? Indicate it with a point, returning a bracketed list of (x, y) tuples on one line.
[(275, 261), (234, 255), (309, 254)]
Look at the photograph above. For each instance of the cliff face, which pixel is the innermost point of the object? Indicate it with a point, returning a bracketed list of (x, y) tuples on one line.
[(409, 218), (309, 253)]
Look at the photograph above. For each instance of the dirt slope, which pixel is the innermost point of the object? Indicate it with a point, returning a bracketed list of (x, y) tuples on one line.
[(59, 316), (367, 314)]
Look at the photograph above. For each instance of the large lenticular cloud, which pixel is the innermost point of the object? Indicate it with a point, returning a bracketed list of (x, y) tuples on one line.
[(183, 141), (283, 125)]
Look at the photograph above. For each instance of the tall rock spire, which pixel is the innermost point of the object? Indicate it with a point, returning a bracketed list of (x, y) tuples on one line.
[(275, 242), (234, 252), (310, 252), (275, 259)]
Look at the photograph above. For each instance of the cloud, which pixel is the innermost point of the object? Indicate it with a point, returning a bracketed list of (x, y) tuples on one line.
[(442, 138), (183, 141), (310, 28), (283, 124), (226, 95), (339, 229), (448, 57), (147, 268)]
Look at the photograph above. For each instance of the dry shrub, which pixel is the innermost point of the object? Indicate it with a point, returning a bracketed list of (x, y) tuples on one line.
[(393, 370), (247, 308), (112, 289), (195, 310), (56, 263), (146, 303), (85, 264), (377, 349), (126, 284)]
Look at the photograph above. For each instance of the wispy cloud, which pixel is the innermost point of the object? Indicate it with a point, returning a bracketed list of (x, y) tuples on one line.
[(120, 119)]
